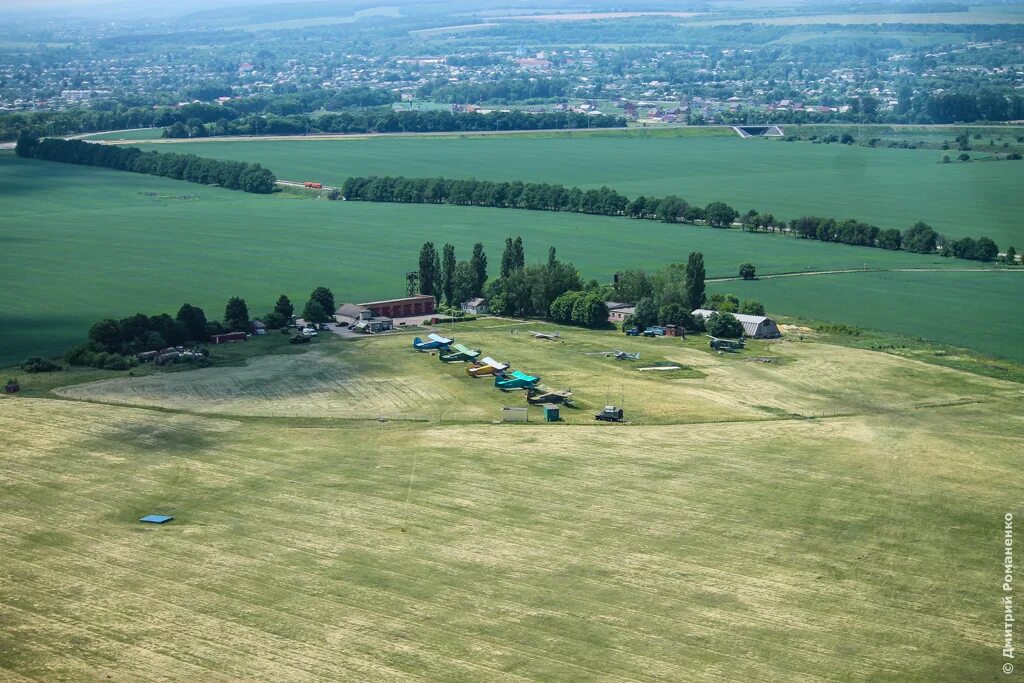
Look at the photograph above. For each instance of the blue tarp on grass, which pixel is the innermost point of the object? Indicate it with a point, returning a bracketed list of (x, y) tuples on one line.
[(156, 519)]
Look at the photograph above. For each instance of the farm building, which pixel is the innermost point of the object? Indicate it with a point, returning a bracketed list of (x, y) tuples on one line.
[(475, 306), (353, 312), (755, 326), (375, 324), (258, 327), (421, 304), (618, 311), (227, 337)]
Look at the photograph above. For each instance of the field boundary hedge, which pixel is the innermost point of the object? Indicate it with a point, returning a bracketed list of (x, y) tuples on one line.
[(671, 209), (233, 175)]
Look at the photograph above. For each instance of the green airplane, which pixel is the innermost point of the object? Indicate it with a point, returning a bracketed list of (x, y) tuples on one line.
[(459, 353)]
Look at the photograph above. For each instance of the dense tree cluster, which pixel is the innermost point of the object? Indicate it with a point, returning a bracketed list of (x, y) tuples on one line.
[(585, 308), (452, 281), (529, 290), (233, 175), (388, 121), (667, 297)]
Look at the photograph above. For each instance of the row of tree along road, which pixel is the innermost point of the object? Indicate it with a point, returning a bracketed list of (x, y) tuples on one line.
[(233, 175), (605, 201)]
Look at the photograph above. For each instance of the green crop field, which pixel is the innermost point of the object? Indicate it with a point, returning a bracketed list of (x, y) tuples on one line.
[(308, 545), (80, 244), (892, 188)]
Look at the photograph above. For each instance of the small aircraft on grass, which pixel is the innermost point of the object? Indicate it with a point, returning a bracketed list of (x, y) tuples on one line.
[(553, 336)]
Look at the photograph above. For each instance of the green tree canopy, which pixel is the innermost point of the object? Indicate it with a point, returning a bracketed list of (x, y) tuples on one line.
[(236, 315), (194, 320), (313, 312), (325, 298), (724, 325), (284, 307)]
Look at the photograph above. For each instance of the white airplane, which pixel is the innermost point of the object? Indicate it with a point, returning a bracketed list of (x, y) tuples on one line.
[(622, 355), (544, 335)]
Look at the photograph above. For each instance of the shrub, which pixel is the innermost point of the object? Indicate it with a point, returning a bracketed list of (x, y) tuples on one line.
[(590, 311), (37, 364), (748, 271)]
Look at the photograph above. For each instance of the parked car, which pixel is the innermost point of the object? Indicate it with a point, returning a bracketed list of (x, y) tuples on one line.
[(325, 326), (309, 331)]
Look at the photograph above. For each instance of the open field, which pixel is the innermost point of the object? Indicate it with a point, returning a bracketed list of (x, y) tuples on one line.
[(58, 222), (888, 187), (777, 548)]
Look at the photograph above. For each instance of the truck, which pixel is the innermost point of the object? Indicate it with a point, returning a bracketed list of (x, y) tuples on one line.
[(654, 331), (313, 186), (609, 414), (633, 332)]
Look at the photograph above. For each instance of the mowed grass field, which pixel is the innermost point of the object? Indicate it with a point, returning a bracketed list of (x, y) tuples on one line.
[(892, 188), (384, 376), (771, 547), (80, 244)]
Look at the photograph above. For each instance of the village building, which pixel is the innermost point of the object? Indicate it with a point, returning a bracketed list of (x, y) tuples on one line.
[(476, 306)]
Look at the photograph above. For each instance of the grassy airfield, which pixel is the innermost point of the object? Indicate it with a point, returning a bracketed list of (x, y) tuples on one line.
[(726, 534)]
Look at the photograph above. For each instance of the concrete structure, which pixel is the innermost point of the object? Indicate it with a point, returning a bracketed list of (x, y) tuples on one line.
[(421, 304), (755, 326), (476, 306)]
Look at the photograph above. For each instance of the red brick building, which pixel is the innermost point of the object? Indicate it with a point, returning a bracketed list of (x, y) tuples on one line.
[(421, 304)]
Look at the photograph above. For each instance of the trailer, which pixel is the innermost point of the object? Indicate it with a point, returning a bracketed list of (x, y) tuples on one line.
[(313, 186)]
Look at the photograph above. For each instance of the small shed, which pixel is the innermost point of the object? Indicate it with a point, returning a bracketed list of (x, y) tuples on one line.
[(551, 413), (515, 414), (475, 306), (258, 327)]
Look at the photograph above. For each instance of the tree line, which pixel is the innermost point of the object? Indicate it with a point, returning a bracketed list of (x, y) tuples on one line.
[(118, 116), (112, 344), (388, 121), (233, 175), (671, 209)]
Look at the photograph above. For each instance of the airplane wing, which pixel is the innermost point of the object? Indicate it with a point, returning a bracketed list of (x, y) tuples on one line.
[(439, 339), (495, 364)]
